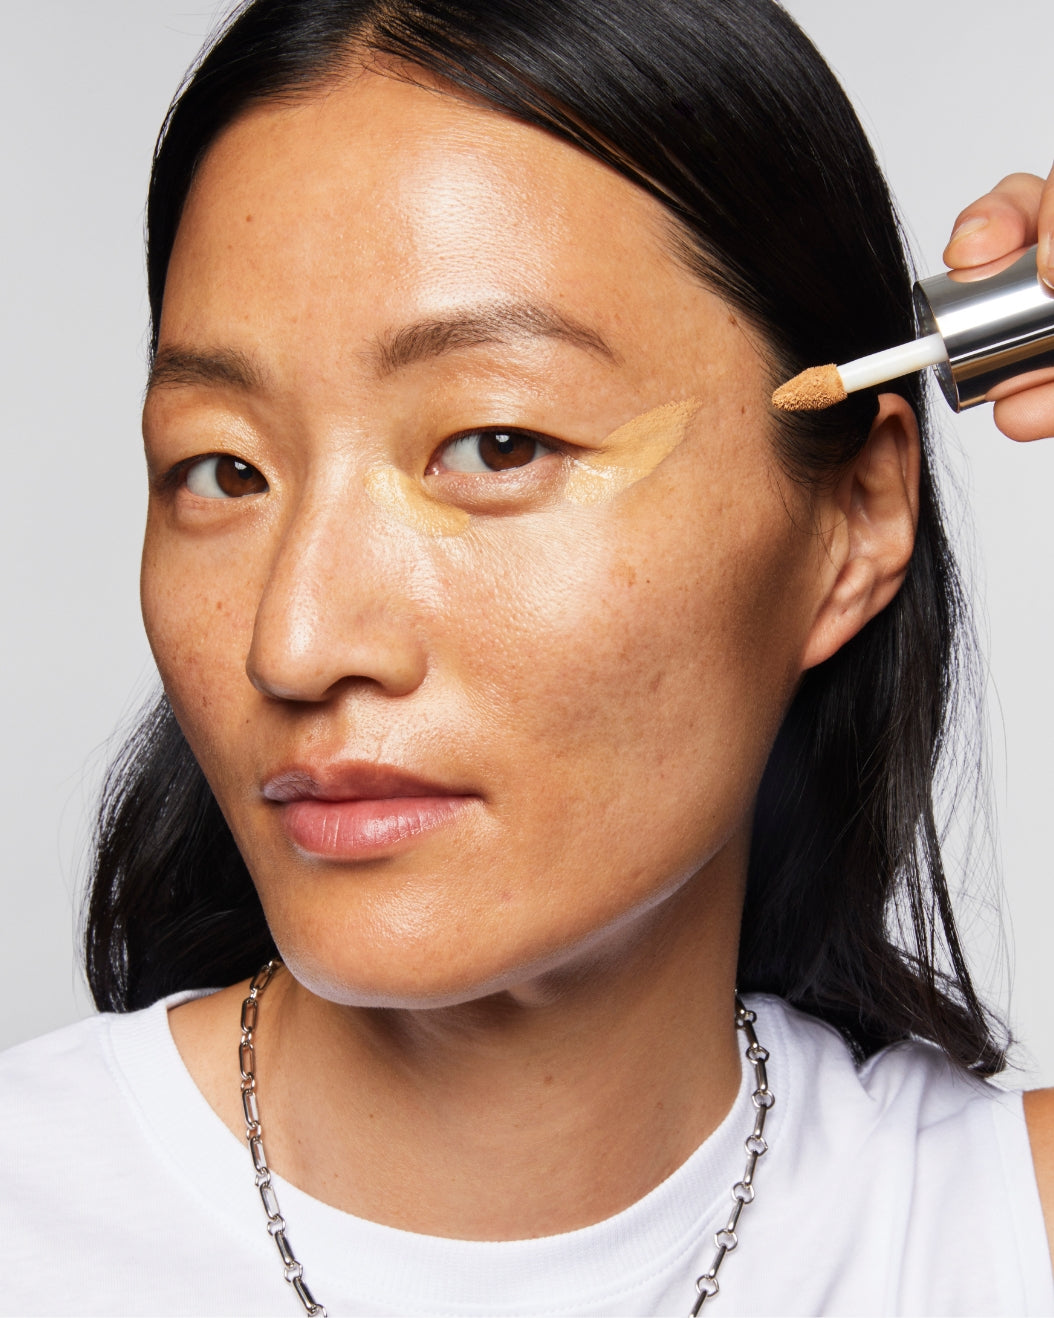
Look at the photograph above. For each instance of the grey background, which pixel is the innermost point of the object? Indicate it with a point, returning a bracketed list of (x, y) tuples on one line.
[(954, 93)]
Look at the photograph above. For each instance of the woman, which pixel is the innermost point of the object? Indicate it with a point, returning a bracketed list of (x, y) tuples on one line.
[(545, 689)]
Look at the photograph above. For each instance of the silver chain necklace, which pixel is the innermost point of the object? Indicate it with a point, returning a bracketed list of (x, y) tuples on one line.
[(293, 1270)]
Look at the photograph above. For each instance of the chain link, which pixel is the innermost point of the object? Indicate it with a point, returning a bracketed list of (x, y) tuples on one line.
[(292, 1268), (725, 1240), (755, 1144)]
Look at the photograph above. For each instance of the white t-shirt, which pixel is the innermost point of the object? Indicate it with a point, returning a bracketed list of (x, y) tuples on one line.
[(898, 1188)]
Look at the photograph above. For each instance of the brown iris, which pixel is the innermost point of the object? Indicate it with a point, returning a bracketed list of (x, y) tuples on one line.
[(235, 477), (502, 449)]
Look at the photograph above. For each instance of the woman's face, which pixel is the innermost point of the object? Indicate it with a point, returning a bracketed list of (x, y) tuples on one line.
[(475, 704)]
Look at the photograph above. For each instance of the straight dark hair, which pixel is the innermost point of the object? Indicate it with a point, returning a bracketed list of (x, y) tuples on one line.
[(724, 111)]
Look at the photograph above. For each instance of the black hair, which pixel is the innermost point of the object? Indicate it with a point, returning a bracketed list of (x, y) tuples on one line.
[(725, 112)]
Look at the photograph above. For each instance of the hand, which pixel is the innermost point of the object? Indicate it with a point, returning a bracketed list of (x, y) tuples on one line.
[(1016, 213)]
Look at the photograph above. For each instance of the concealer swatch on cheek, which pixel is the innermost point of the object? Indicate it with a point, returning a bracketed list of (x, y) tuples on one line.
[(396, 493), (630, 453)]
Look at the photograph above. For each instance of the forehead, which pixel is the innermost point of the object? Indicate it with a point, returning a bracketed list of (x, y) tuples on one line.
[(407, 195)]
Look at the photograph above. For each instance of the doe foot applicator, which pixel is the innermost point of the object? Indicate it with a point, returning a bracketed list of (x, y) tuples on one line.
[(978, 332)]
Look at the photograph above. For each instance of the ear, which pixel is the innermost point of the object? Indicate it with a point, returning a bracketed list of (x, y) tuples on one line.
[(867, 522)]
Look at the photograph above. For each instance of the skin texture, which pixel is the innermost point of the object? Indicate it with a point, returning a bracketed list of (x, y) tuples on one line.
[(482, 1031), (1018, 212)]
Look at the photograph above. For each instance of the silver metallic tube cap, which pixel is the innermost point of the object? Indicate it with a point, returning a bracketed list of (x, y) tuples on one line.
[(994, 328)]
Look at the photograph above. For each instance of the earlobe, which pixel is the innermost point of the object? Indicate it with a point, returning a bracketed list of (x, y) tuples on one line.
[(869, 521)]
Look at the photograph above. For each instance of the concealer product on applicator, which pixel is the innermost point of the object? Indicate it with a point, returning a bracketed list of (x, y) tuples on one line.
[(979, 333)]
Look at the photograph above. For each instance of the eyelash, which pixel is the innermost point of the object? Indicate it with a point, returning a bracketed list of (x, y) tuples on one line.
[(177, 476), (500, 437)]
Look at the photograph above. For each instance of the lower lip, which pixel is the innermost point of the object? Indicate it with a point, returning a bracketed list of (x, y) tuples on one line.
[(345, 830)]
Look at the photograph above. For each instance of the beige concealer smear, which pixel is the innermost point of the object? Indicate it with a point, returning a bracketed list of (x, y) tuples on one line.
[(396, 493), (630, 453)]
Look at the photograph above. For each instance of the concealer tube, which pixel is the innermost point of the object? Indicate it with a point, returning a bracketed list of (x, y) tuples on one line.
[(993, 329), (978, 333)]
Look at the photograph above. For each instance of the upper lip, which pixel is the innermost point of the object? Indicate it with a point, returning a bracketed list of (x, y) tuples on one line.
[(350, 781)]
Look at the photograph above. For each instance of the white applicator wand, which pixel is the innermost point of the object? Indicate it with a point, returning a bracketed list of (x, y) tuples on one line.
[(978, 332)]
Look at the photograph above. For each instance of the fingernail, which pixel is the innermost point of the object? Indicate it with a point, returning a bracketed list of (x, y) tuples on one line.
[(967, 227)]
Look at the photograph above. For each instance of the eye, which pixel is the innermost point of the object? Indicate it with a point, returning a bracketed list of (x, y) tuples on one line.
[(496, 449), (221, 476)]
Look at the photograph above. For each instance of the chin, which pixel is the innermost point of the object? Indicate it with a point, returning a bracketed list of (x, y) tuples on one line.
[(438, 968), (402, 988)]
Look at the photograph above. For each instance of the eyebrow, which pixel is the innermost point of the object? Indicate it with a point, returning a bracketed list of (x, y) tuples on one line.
[(499, 322), (176, 366)]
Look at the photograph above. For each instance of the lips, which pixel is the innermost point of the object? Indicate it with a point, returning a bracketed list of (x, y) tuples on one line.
[(355, 811)]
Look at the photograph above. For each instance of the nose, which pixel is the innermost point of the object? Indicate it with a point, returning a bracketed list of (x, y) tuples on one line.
[(337, 607)]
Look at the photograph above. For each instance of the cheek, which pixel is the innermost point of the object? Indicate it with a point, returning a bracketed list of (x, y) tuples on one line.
[(653, 639), (198, 615)]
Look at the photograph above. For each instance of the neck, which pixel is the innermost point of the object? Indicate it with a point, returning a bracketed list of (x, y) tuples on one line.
[(537, 1110)]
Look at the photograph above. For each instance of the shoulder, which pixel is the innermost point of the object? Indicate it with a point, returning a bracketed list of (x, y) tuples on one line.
[(913, 1079), (73, 1081), (105, 1144), (61, 1105), (84, 1097), (1039, 1114), (50, 1068), (940, 1164), (908, 1110)]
